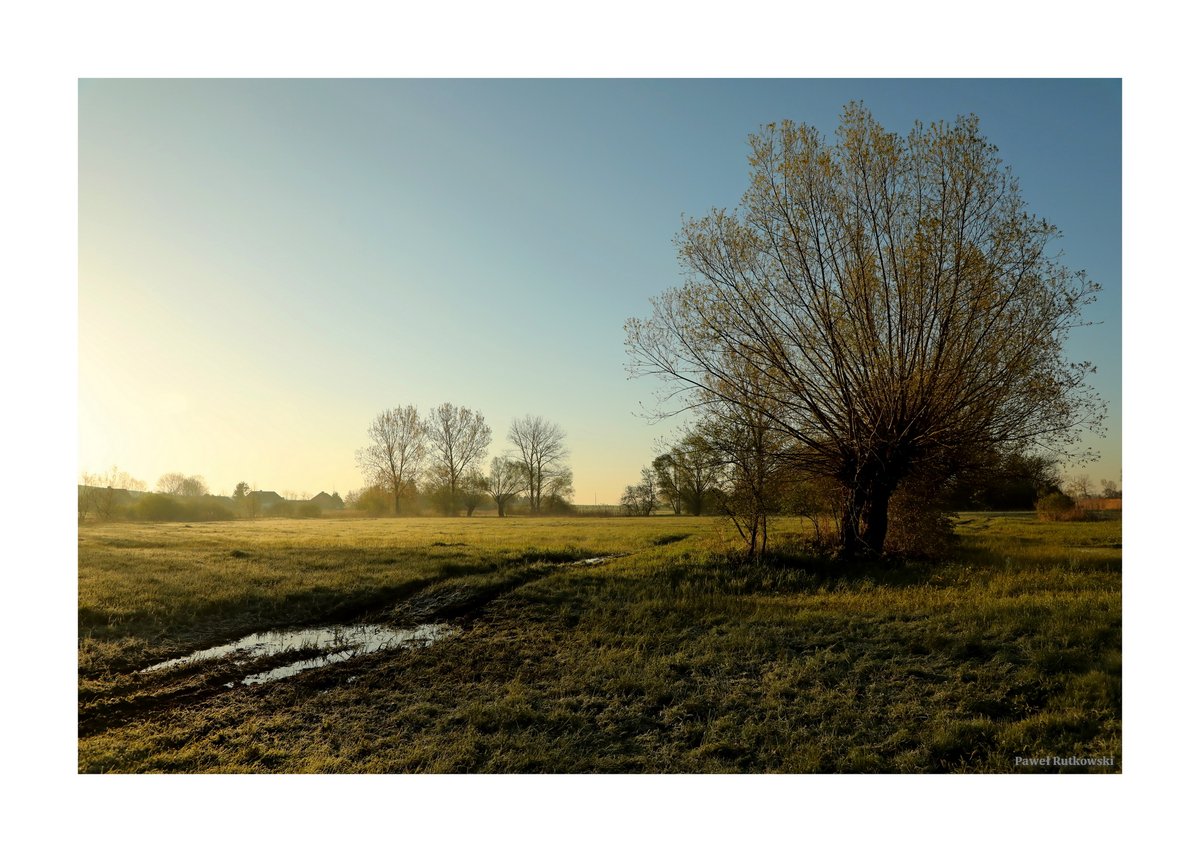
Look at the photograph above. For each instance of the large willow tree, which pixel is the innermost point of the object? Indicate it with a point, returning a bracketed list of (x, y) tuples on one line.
[(887, 304)]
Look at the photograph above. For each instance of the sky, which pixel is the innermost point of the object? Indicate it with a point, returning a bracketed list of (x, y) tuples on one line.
[(264, 265)]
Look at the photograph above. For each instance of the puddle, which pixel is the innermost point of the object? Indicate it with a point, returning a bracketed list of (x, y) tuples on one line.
[(597, 560), (327, 645)]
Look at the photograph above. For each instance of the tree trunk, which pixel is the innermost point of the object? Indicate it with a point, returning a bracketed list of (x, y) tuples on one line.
[(875, 521), (851, 514), (865, 519)]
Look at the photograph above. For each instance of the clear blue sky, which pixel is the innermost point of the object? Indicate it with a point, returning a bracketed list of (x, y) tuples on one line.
[(264, 265)]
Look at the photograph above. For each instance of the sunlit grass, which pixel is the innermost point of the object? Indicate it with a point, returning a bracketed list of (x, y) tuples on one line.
[(672, 658), (156, 580)]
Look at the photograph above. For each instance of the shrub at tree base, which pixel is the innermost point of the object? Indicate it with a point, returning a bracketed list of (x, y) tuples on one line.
[(920, 525), (1059, 507), (554, 504)]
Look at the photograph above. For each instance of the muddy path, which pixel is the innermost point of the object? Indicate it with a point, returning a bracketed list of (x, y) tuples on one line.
[(435, 612)]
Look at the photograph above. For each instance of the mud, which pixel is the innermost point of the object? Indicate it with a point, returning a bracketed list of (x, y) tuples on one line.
[(315, 647)]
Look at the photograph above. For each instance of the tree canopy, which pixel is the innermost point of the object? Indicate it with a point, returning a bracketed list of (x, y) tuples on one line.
[(458, 439), (542, 451), (885, 304), (393, 460)]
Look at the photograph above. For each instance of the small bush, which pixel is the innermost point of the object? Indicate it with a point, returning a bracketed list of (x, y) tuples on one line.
[(1059, 507), (919, 523), (281, 509), (554, 504), (308, 510), (162, 507), (157, 507), (208, 508)]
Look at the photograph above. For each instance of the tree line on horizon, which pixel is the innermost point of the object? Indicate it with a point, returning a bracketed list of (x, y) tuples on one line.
[(411, 465), (699, 476), (117, 495)]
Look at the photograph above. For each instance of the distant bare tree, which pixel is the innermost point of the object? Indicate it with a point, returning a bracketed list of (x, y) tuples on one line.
[(114, 478), (668, 478), (751, 466), (393, 459), (699, 472), (180, 485), (541, 446), (642, 498), (559, 488), (687, 474), (458, 439), (504, 482), (474, 490), (1080, 486), (1109, 489), (99, 492)]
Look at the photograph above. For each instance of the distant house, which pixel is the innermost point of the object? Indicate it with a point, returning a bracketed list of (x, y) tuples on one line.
[(264, 499), (328, 501)]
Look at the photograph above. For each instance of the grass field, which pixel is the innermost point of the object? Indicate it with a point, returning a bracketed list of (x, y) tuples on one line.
[(670, 657)]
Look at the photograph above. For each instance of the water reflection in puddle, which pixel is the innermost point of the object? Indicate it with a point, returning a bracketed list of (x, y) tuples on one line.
[(328, 645), (596, 560)]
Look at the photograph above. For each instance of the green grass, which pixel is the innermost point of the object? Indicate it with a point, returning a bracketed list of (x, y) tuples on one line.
[(672, 658)]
